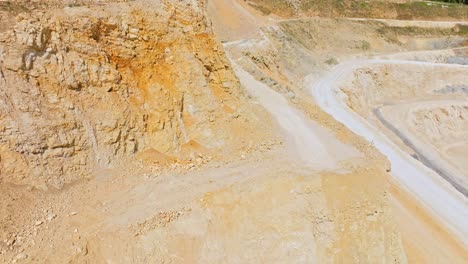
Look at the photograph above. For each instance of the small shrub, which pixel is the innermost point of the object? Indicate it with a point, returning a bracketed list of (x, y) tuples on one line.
[(331, 61), (364, 45)]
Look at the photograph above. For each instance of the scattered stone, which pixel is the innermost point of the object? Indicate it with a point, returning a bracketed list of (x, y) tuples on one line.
[(10, 242), (51, 216), (132, 36), (38, 223), (20, 256), (134, 30)]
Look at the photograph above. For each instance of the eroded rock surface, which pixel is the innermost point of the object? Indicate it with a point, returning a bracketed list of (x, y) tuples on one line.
[(83, 86)]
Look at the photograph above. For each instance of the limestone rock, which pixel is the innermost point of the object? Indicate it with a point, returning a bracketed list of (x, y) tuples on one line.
[(81, 87)]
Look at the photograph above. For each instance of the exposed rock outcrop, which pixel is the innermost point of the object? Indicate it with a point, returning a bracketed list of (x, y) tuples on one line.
[(84, 86)]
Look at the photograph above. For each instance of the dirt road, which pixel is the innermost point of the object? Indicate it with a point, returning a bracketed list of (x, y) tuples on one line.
[(314, 145), (430, 189)]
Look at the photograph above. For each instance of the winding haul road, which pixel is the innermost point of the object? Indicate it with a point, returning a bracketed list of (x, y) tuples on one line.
[(434, 192), (312, 143)]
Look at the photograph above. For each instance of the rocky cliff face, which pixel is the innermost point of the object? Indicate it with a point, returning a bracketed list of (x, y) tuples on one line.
[(82, 87)]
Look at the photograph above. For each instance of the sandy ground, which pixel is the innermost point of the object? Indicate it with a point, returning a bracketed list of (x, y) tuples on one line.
[(424, 238), (232, 19)]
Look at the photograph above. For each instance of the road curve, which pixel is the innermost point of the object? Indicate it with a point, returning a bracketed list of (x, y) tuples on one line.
[(314, 145), (434, 193)]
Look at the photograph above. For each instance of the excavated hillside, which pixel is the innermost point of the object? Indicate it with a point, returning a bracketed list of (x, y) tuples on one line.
[(92, 88), (126, 136), (189, 131), (82, 87)]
